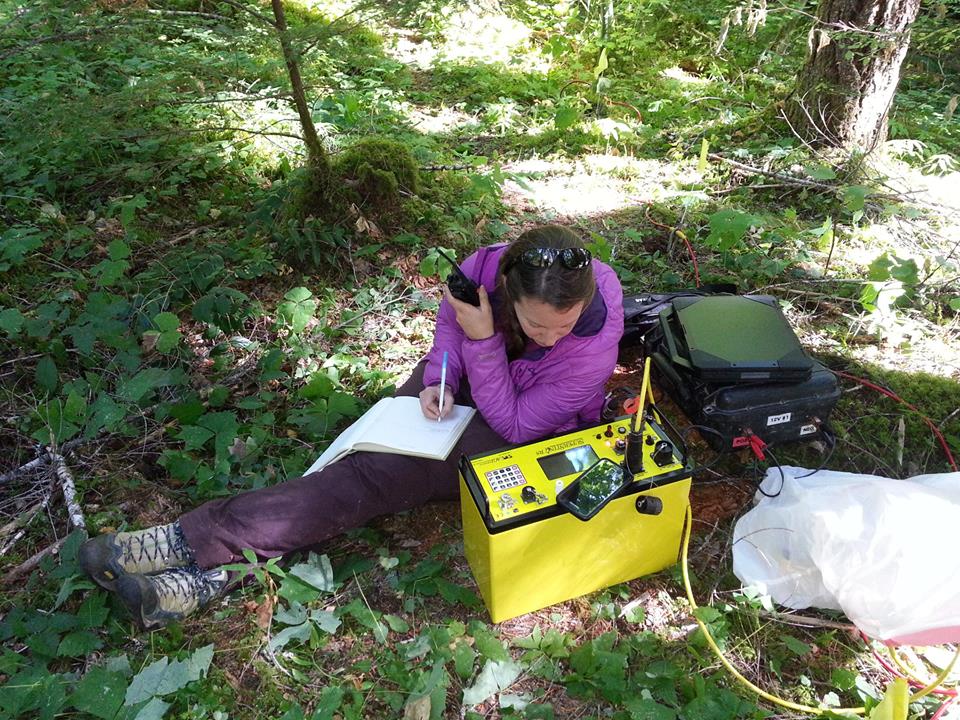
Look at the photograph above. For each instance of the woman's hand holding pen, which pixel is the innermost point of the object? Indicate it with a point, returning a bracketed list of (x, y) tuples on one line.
[(477, 322), (430, 402)]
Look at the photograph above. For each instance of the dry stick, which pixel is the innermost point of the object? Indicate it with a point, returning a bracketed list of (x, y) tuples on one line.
[(21, 520), (791, 619), (69, 491), (33, 513), (52, 38), (67, 447), (226, 128), (438, 168), (763, 186), (13, 541), (187, 13), (31, 562), (243, 8), (253, 97), (803, 182), (7, 477), (36, 462)]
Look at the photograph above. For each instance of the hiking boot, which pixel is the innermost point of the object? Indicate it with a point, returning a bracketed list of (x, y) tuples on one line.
[(108, 557), (171, 595)]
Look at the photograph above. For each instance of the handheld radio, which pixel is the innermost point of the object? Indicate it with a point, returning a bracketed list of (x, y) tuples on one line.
[(461, 287)]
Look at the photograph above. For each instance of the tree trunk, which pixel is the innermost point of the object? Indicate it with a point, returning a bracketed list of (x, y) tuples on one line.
[(844, 92), (316, 155)]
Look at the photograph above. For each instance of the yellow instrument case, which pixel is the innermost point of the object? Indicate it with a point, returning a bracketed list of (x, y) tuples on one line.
[(526, 552)]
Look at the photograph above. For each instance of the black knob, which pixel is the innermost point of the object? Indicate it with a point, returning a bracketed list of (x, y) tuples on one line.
[(649, 505), (528, 494), (663, 453)]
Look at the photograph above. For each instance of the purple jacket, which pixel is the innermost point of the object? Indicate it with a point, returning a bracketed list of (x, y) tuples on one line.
[(546, 390)]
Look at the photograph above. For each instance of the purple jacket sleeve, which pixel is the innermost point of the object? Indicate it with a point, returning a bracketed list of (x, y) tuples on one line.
[(541, 408)]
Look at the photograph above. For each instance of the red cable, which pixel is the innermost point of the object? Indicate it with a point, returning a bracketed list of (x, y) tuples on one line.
[(677, 231), (893, 396), (943, 708), (693, 256), (756, 445), (949, 692)]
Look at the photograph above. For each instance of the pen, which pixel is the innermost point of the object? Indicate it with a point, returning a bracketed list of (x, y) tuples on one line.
[(443, 382)]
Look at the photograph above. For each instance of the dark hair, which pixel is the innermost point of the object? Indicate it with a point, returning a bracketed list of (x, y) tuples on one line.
[(556, 285)]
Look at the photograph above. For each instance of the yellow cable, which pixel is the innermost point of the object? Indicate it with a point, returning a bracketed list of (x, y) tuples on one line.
[(901, 666), (645, 390), (907, 671), (923, 692)]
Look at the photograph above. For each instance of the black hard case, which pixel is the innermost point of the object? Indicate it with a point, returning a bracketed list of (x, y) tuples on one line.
[(732, 338), (777, 412)]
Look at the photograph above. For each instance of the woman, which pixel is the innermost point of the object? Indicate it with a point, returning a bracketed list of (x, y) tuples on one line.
[(533, 358)]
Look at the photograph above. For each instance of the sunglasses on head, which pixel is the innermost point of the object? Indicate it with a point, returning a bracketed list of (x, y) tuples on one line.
[(574, 258)]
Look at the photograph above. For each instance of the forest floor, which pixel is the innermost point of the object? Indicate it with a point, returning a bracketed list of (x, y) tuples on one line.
[(189, 348)]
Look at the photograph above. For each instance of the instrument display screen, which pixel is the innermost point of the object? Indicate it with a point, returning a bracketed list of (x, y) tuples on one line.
[(568, 462)]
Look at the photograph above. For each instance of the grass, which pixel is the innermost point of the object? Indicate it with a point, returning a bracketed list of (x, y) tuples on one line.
[(158, 311)]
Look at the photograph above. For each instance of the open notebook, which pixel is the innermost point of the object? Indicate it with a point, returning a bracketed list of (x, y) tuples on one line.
[(396, 425)]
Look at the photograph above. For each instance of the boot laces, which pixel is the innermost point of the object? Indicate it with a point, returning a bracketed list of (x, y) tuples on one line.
[(177, 584), (187, 583), (160, 541)]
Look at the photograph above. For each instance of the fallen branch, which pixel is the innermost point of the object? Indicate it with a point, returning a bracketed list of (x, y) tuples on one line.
[(32, 513), (82, 34), (791, 619), (23, 519), (42, 459), (13, 541), (13, 474), (188, 13), (28, 565), (227, 128), (253, 97), (764, 186), (787, 179), (69, 491), (438, 168), (76, 442), (268, 21)]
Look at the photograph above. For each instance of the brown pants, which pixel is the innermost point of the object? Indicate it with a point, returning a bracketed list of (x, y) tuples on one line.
[(308, 510)]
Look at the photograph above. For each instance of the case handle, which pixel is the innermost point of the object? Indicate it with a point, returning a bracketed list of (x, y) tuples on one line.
[(665, 325)]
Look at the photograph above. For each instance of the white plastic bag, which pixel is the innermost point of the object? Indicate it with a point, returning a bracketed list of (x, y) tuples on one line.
[(885, 552)]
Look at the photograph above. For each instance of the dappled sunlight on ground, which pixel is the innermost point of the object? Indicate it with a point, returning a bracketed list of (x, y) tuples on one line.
[(591, 185), (273, 124), (473, 35), (927, 231), (429, 120), (927, 187), (682, 76), (413, 50), (476, 34)]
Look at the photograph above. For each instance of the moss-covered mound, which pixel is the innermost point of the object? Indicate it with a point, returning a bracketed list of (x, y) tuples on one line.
[(377, 173)]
